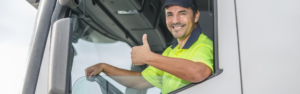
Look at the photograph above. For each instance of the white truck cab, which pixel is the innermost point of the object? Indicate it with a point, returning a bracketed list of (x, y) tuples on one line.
[(256, 45)]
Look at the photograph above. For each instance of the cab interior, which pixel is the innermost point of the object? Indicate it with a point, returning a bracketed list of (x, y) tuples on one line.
[(109, 21)]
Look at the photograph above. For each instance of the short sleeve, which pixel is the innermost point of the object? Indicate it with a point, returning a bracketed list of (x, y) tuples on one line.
[(153, 76), (204, 54)]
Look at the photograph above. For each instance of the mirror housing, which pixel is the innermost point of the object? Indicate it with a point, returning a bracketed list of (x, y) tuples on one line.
[(61, 56), (69, 3)]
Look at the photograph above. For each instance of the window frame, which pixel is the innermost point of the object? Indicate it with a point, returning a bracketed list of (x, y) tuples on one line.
[(217, 70)]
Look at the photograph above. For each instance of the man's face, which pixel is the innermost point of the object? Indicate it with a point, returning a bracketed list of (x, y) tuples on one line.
[(180, 21)]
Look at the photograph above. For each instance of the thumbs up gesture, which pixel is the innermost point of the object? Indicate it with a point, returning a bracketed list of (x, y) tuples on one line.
[(139, 53)]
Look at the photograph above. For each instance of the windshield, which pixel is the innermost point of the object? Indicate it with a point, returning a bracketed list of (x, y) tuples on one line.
[(92, 47), (95, 85), (105, 85)]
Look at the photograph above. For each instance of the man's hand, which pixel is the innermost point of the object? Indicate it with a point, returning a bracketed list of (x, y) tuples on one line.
[(94, 70), (139, 53)]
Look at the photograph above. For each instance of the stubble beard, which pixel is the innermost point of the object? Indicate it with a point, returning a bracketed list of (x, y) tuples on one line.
[(178, 37)]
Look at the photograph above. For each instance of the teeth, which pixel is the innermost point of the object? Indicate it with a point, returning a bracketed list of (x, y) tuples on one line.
[(177, 27)]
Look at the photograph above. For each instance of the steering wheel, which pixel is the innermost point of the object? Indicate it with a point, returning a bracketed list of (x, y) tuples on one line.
[(106, 87)]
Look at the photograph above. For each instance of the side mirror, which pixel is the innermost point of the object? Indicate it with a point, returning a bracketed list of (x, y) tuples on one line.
[(61, 54)]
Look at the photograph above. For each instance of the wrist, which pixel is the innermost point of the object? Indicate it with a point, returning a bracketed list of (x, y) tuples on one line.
[(149, 57), (102, 65)]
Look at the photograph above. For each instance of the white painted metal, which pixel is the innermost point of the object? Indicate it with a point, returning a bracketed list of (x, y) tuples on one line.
[(269, 49), (229, 81), (269, 45), (42, 83)]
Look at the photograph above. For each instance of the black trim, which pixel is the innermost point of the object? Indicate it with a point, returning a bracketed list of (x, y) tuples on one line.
[(127, 33), (68, 11), (93, 21), (99, 27), (148, 3), (143, 6), (218, 71), (112, 36), (99, 31), (157, 16), (70, 61), (239, 51)]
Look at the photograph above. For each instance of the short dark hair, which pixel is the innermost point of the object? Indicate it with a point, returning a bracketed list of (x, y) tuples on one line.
[(194, 10)]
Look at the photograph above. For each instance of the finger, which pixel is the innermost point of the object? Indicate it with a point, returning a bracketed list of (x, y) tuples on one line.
[(145, 42), (87, 73), (92, 74)]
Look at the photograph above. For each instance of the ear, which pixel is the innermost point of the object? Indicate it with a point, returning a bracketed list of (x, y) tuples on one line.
[(197, 15)]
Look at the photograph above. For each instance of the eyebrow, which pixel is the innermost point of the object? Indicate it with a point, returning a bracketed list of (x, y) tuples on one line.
[(182, 11), (169, 12), (178, 12)]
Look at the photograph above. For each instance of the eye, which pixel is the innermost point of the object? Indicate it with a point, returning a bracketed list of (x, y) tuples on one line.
[(183, 13), (168, 15)]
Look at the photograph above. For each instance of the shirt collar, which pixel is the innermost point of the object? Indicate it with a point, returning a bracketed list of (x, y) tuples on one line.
[(193, 38)]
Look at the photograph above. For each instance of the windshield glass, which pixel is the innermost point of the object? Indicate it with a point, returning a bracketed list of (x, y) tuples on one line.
[(92, 47), (105, 85), (83, 86), (95, 85)]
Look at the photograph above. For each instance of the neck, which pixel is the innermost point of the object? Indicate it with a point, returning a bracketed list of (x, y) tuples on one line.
[(182, 41)]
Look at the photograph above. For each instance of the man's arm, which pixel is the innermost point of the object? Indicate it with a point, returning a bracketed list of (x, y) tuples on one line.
[(127, 78), (181, 68)]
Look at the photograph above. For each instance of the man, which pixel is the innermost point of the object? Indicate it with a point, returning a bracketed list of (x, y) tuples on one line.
[(188, 60)]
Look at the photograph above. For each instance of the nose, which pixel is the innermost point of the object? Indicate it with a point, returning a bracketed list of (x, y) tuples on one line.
[(176, 19)]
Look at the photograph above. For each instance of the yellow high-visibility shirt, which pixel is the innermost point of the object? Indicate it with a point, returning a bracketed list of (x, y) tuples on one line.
[(197, 49)]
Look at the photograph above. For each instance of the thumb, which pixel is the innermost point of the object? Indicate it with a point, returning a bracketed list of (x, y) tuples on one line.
[(145, 42), (92, 74)]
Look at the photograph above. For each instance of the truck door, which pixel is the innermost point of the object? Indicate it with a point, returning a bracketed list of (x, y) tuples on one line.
[(92, 31)]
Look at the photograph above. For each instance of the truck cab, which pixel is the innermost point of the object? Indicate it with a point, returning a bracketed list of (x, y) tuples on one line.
[(253, 53)]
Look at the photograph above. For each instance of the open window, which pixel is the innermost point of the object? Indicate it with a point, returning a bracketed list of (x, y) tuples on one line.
[(209, 23), (106, 30)]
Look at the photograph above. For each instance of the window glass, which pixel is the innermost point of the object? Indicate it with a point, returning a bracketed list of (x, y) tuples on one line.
[(103, 85), (95, 48)]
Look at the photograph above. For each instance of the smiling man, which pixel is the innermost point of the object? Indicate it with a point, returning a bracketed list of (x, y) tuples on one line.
[(188, 60)]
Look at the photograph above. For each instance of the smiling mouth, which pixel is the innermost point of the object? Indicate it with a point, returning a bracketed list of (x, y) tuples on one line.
[(178, 27)]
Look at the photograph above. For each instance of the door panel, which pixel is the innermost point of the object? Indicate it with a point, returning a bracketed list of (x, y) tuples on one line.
[(269, 46), (229, 81)]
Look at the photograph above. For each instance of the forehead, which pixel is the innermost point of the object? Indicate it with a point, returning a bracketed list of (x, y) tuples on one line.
[(176, 8)]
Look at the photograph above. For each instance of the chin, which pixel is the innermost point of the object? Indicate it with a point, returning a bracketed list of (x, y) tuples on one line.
[(177, 36)]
